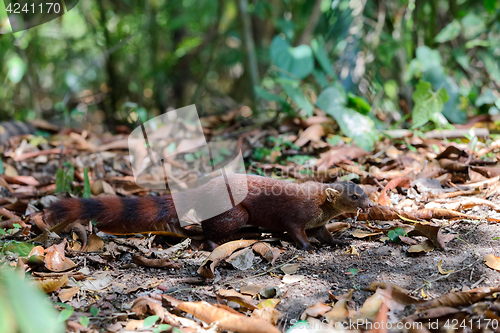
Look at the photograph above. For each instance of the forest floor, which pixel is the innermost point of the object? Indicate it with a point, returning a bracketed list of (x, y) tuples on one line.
[(428, 251)]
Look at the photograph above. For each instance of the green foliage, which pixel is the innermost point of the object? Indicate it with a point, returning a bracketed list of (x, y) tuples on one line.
[(428, 104), (353, 124), (86, 183), (450, 32), (17, 68), (161, 52), (64, 178), (293, 90), (94, 311), (394, 234), (354, 272), (150, 321), (24, 308), (65, 314), (2, 170), (21, 248), (318, 47), (295, 62), (84, 320)]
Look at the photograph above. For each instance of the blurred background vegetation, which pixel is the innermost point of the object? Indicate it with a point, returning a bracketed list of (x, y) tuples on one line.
[(110, 62)]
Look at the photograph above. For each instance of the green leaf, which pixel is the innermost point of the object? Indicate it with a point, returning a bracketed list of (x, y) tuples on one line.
[(353, 271), (17, 68), (472, 26), (297, 61), (64, 315), (356, 126), (2, 232), (264, 94), (318, 47), (358, 103), (164, 327), (287, 27), (33, 312), (393, 236), (450, 32), (60, 180), (292, 88), (65, 306), (491, 64), (461, 58), (69, 175), (320, 77), (400, 231), (23, 249), (86, 184), (2, 170), (150, 321), (427, 103), (477, 42), (490, 5), (84, 320), (94, 311), (391, 89), (486, 98)]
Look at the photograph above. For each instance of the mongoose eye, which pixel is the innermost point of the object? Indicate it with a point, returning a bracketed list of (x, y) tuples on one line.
[(355, 197)]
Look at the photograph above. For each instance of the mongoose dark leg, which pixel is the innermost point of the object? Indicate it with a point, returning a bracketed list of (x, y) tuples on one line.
[(325, 236), (300, 237)]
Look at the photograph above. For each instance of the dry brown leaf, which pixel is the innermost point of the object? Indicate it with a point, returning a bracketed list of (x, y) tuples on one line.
[(425, 246), (269, 303), (267, 251), (290, 268), (386, 285), (408, 240), (316, 310), (337, 226), (37, 251), (492, 261), (269, 314), (156, 263), (234, 296), (339, 155), (396, 182), (50, 284), (55, 259), (381, 318), (363, 234), (442, 271), (312, 133), (456, 299), (251, 289), (225, 319), (68, 294), (95, 243), (371, 306), (207, 267), (434, 233), (340, 311)]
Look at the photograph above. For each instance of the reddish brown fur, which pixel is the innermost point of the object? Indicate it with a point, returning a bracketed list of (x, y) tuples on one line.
[(273, 204)]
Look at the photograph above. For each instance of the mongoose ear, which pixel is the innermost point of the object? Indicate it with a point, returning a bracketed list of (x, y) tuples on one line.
[(332, 194)]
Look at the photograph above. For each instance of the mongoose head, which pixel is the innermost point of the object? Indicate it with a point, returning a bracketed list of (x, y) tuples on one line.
[(348, 197)]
